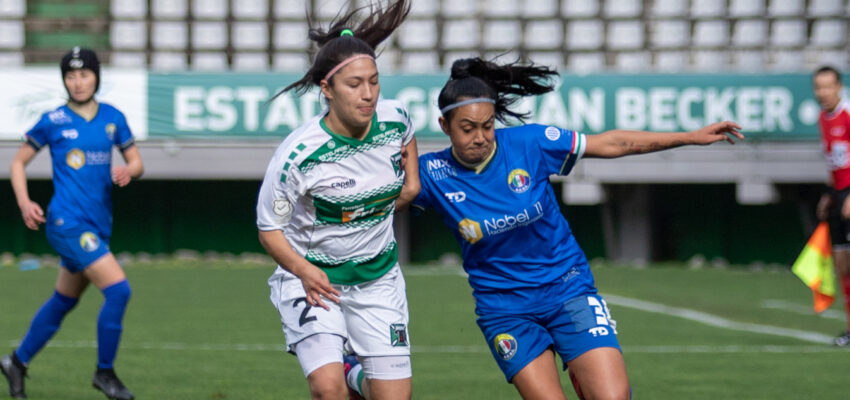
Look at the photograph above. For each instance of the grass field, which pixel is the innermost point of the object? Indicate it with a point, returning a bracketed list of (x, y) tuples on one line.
[(206, 330)]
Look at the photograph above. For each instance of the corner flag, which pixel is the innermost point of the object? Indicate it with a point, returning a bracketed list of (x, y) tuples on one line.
[(814, 267)]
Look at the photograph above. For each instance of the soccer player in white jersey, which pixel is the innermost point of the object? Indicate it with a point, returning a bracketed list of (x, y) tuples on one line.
[(325, 213), (534, 292)]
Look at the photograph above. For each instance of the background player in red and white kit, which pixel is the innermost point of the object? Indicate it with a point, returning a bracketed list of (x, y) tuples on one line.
[(834, 205)]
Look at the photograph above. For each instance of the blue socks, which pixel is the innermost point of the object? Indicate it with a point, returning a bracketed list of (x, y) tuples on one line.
[(109, 322), (44, 325)]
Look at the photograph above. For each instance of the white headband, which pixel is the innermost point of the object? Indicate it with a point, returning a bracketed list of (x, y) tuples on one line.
[(465, 102)]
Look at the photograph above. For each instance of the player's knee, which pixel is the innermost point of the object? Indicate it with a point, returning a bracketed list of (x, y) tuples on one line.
[(328, 389), (610, 392), (118, 293)]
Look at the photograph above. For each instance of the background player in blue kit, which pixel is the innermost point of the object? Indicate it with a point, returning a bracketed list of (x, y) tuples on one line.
[(533, 289), (80, 135)]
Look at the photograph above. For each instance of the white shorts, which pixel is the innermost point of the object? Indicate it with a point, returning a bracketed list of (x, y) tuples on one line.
[(372, 316)]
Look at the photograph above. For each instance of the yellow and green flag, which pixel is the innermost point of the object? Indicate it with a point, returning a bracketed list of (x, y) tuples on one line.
[(814, 267)]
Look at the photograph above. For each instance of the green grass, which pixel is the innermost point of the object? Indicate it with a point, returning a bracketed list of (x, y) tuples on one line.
[(206, 330)]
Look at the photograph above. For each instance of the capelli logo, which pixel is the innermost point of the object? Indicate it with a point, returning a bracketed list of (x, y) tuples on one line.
[(344, 184)]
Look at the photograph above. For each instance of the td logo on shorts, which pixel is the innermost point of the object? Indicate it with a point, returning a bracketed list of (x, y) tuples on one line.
[(505, 346), (398, 335)]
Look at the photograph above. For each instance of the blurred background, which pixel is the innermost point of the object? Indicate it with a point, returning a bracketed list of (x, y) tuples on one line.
[(195, 77)]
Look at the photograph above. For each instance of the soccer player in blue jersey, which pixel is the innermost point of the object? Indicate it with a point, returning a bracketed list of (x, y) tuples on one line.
[(533, 289), (80, 135)]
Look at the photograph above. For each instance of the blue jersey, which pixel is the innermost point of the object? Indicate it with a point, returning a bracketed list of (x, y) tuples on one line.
[(81, 152), (517, 247)]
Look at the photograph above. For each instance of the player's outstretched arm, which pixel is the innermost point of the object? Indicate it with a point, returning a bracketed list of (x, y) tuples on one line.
[(30, 210), (315, 281), (412, 185), (618, 143)]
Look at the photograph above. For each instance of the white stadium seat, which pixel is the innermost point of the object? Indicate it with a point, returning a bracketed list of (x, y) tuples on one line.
[(709, 60), (670, 33), (168, 35), (748, 61), (452, 56), (387, 60), (128, 8), (249, 35), (420, 62), (290, 9), (169, 9), (168, 61), (543, 34), (714, 33), (501, 8), (579, 8), (11, 34), (836, 59), (209, 61), (551, 59), (417, 34), (250, 62), (460, 9), (13, 8), (250, 9), (122, 59), (584, 34), (825, 8), (750, 33), (623, 8), (788, 33), (625, 35), (540, 8), (461, 34), (291, 35), (785, 8), (209, 35), (585, 63), (633, 61), (292, 62), (669, 8), (424, 8), (128, 34), (786, 61), (502, 56), (828, 33), (746, 8), (209, 9), (671, 61), (502, 34), (708, 8)]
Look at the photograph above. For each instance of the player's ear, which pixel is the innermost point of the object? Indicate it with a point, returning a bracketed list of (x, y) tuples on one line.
[(444, 125), (326, 89)]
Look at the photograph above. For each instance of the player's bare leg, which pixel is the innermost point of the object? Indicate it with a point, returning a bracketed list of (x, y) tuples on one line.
[(539, 379), (379, 389), (841, 259), (601, 374), (328, 382)]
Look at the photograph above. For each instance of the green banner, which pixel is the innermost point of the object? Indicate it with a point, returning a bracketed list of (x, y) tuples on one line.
[(239, 106)]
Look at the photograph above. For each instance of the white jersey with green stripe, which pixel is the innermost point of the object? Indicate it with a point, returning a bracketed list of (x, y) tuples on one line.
[(334, 196)]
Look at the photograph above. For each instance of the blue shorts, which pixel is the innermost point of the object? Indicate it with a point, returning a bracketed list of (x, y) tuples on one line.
[(578, 325), (78, 246)]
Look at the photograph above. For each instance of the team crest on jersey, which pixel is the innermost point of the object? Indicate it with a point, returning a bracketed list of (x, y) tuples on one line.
[(552, 133), (75, 158), (398, 335), (59, 117), (110, 131), (837, 131), (89, 242), (70, 134), (470, 230), (505, 346), (519, 181)]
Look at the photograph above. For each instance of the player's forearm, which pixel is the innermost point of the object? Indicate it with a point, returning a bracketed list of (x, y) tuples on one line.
[(618, 143), (18, 177), (282, 253)]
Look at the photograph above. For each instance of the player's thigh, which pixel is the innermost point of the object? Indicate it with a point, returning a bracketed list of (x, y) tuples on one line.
[(78, 246), (514, 340), (299, 319), (395, 389), (601, 374), (71, 284), (539, 379), (841, 257), (316, 354), (105, 271), (376, 316)]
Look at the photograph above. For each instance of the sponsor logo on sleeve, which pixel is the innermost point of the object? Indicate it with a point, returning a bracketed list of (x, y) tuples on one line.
[(552, 133), (346, 184), (282, 208)]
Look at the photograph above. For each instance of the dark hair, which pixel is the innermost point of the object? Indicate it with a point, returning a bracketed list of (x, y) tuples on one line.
[(334, 48), (506, 84), (81, 58), (828, 69)]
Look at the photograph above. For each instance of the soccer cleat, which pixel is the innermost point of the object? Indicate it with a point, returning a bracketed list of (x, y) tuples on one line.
[(15, 372), (843, 339), (349, 362), (107, 382)]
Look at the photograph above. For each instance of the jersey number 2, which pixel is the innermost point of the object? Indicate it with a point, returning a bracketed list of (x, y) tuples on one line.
[(304, 318)]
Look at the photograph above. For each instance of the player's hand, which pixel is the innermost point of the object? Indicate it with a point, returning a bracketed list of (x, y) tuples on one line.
[(121, 175), (33, 215), (316, 285), (822, 210), (716, 132)]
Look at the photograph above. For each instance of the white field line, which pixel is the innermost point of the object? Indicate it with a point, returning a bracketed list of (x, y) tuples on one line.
[(716, 321), (776, 304), (470, 349)]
